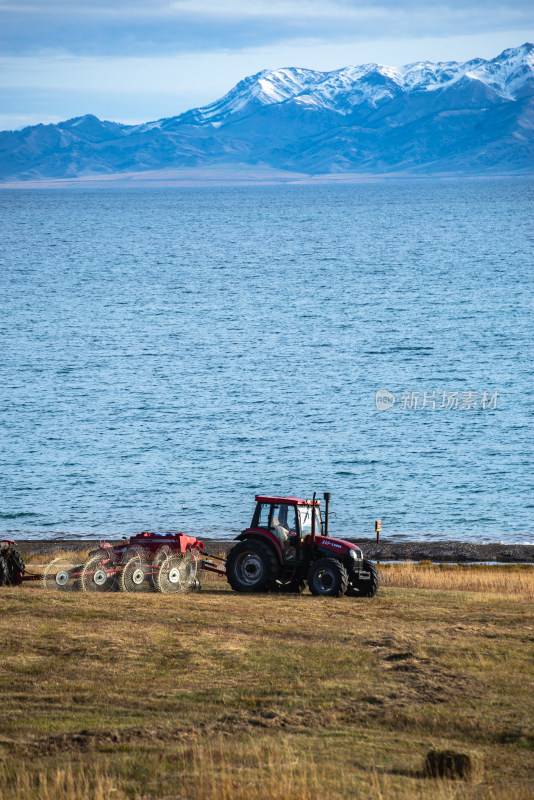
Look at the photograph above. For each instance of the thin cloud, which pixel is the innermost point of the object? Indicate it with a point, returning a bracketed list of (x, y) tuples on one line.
[(155, 27)]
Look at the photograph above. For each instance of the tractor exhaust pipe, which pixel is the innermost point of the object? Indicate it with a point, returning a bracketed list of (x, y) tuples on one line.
[(313, 521), (327, 497)]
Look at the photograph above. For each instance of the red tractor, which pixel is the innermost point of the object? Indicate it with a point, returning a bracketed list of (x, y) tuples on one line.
[(287, 546)]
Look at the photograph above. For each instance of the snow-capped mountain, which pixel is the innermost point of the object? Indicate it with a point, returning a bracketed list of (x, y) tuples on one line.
[(343, 89), (263, 89), (424, 118)]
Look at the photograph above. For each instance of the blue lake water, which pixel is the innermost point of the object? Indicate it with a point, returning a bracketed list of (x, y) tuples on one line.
[(168, 353)]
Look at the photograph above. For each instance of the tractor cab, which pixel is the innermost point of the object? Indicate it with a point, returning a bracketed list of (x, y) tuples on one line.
[(287, 521)]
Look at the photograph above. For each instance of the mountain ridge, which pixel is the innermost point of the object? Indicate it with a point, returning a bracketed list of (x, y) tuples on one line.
[(473, 117), (407, 77)]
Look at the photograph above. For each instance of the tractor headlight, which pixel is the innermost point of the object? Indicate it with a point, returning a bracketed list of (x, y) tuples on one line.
[(353, 554)]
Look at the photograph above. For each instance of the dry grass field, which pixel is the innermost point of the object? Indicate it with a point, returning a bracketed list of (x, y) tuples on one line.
[(219, 695), (512, 579)]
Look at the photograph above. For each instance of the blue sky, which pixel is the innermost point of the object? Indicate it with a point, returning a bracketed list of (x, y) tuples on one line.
[(136, 60)]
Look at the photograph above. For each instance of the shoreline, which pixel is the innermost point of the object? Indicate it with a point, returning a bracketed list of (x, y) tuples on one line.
[(446, 551), (233, 175)]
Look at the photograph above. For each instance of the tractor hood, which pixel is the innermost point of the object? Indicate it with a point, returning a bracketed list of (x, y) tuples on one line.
[(337, 545)]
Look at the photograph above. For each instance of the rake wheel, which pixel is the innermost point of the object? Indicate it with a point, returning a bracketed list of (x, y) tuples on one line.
[(98, 575), (194, 566), (135, 550), (134, 576), (61, 575), (162, 553), (103, 552), (177, 574)]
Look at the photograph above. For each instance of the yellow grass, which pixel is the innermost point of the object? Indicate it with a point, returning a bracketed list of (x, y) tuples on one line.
[(263, 770), (38, 559), (59, 784), (515, 579)]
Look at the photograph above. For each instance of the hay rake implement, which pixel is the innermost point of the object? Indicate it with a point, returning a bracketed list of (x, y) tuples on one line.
[(147, 562)]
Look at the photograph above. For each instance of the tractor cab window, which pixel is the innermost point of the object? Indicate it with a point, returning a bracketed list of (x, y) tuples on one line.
[(283, 522), (263, 515), (305, 517)]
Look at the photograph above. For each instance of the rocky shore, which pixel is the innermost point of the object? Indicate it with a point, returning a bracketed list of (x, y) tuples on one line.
[(447, 551)]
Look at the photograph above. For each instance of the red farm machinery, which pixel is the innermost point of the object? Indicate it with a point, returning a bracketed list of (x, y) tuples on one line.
[(145, 562), (286, 548)]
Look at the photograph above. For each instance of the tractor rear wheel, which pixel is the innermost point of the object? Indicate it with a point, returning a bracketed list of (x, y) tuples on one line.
[(328, 577), (16, 566), (4, 572), (365, 587), (251, 566)]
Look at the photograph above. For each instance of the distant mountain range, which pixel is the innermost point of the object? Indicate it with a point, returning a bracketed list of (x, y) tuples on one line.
[(474, 118)]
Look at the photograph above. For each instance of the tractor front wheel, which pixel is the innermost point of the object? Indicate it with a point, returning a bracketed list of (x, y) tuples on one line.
[(328, 577), (251, 566), (365, 587)]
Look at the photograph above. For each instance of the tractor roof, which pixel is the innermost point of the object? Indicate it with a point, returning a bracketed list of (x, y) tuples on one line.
[(290, 501)]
